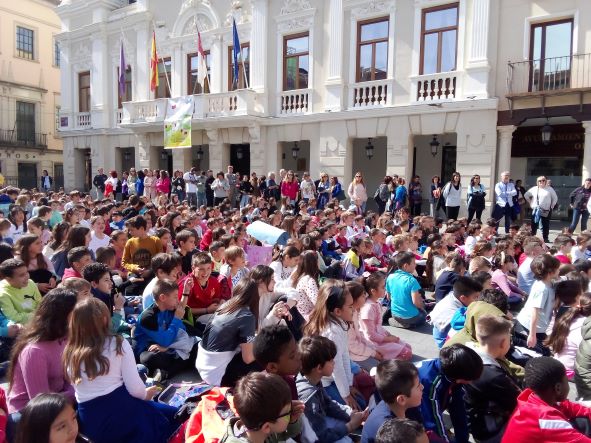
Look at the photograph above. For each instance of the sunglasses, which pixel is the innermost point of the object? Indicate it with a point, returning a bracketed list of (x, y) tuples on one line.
[(542, 181), (357, 176), (286, 416)]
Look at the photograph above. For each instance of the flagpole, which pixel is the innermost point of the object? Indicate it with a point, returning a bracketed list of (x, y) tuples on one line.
[(162, 60), (244, 68)]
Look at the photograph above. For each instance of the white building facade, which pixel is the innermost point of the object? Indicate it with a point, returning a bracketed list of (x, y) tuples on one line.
[(326, 77)]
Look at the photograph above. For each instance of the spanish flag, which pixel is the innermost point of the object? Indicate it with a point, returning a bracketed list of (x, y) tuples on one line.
[(153, 65)]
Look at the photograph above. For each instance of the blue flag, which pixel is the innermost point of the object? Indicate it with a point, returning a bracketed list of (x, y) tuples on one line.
[(237, 51), (122, 68)]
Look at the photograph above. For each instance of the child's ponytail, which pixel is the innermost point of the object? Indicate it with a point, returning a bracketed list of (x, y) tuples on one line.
[(561, 328)]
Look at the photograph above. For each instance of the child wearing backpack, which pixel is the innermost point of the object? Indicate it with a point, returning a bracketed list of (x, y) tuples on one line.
[(266, 412), (443, 379)]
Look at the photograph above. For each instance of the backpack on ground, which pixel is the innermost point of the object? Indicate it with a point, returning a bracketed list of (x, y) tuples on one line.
[(207, 421)]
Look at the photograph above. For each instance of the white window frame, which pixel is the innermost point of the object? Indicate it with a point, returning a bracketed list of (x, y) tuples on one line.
[(291, 24)]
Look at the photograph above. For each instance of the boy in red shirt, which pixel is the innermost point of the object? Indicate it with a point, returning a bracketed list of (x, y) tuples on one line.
[(205, 294), (543, 413)]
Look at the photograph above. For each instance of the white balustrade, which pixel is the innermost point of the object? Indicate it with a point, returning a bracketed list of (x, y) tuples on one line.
[(83, 120), (296, 101), (377, 93), (435, 87)]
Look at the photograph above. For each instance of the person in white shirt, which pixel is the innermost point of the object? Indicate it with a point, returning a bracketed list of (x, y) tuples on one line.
[(504, 192), (542, 200), (113, 402), (191, 186), (307, 188), (452, 192)]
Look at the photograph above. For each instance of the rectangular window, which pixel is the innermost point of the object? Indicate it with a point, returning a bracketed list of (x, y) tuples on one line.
[(84, 92), (193, 86), (296, 61), (25, 43), (164, 70), (127, 97), (372, 50), (439, 38), (550, 55), (25, 122), (232, 86), (56, 54)]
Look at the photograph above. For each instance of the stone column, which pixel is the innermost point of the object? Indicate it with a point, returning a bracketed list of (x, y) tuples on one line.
[(142, 151), (216, 147), (217, 64), (176, 77), (334, 81), (478, 67), (181, 159), (504, 149), (99, 78), (587, 151), (258, 45), (141, 70)]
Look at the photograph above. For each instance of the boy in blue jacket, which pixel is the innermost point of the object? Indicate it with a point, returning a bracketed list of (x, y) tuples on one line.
[(162, 342), (443, 379)]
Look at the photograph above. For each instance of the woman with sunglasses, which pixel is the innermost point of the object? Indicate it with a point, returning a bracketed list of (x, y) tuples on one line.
[(476, 202), (542, 199), (357, 191)]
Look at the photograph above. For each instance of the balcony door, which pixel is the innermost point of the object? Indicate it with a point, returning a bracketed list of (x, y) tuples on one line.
[(551, 55)]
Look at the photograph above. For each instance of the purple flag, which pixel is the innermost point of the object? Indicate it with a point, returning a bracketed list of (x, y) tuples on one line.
[(122, 68)]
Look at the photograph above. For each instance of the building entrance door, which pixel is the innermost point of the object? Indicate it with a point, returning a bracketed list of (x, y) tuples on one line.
[(27, 175), (240, 159)]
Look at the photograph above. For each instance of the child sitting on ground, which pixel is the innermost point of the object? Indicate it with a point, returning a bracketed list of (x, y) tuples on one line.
[(401, 430), (543, 413), (162, 343), (80, 286), (234, 268), (78, 258), (370, 318), (407, 306), (276, 350), (330, 420), (491, 399), (565, 338), (217, 251), (266, 412), (443, 379), (400, 389), (99, 277), (465, 291)]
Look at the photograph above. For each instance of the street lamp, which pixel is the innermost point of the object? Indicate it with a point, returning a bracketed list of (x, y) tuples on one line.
[(126, 156), (164, 155), (200, 153), (546, 133), (295, 150), (239, 153), (369, 149), (434, 146)]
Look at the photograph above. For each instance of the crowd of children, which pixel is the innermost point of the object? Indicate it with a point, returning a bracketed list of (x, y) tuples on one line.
[(103, 302)]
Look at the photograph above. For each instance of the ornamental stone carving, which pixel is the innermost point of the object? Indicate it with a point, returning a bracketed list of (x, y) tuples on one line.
[(290, 6)]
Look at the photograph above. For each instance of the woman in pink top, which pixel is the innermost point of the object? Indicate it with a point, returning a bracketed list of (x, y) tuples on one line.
[(503, 264), (290, 188), (357, 191), (36, 366), (163, 184), (389, 346), (150, 185)]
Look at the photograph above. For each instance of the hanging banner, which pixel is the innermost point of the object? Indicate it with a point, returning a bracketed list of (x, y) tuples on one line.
[(177, 125)]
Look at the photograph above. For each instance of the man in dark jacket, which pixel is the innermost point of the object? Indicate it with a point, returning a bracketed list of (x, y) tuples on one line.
[(578, 202), (99, 183), (208, 190)]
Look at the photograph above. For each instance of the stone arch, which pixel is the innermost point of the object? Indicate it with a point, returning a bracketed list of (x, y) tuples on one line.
[(195, 13)]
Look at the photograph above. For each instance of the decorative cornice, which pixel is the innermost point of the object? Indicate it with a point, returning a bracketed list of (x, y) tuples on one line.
[(291, 6), (373, 7)]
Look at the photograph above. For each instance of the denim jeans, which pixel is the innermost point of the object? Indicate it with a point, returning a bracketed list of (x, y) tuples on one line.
[(440, 336), (201, 199), (579, 214)]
